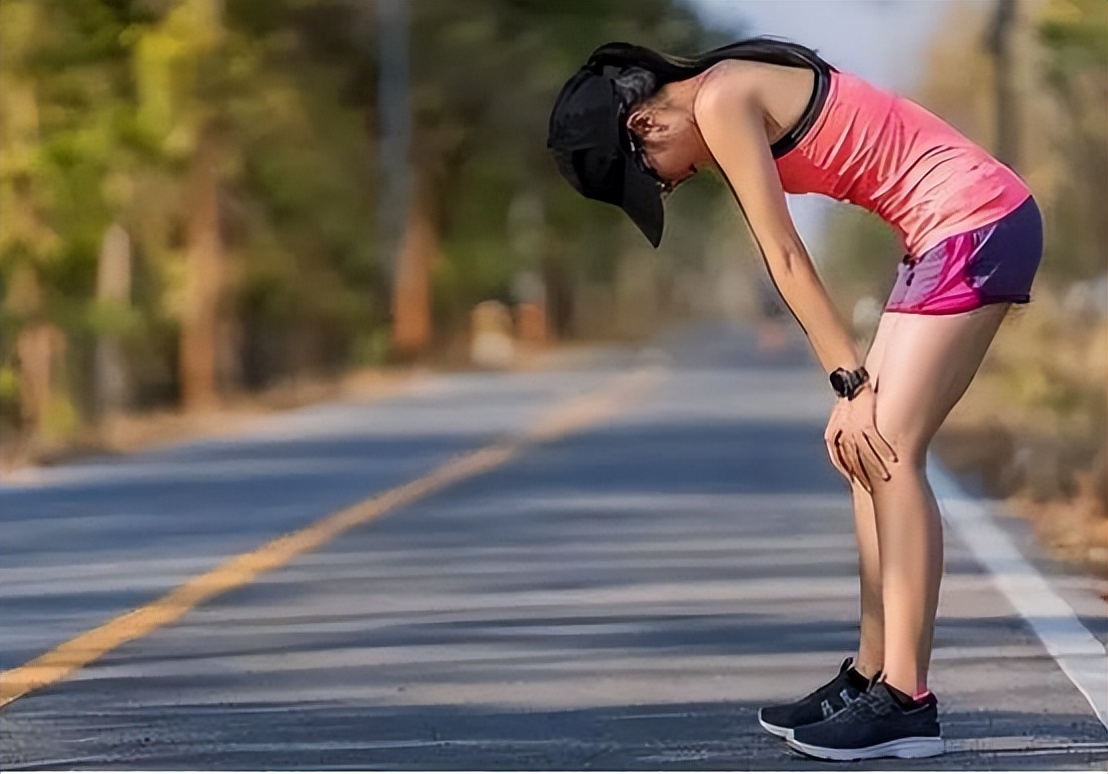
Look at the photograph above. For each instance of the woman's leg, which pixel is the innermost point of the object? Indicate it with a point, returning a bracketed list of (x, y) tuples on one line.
[(926, 366), (871, 639)]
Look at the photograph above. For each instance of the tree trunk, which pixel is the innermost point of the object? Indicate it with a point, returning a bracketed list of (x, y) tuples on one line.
[(204, 279), (434, 176), (1000, 49), (39, 348), (415, 262)]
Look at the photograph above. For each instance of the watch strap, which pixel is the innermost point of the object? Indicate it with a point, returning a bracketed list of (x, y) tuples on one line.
[(848, 383)]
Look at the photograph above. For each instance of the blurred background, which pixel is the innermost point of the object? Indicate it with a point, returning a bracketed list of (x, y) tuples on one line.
[(211, 206)]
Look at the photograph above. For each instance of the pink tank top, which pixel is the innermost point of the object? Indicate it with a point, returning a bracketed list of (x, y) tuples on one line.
[(894, 158)]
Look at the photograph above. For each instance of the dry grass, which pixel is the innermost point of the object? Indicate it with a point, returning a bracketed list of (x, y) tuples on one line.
[(1034, 427)]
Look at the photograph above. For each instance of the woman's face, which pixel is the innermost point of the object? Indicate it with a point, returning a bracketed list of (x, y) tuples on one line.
[(669, 143)]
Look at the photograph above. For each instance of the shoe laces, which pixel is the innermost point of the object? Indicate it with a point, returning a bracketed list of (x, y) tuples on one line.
[(867, 706)]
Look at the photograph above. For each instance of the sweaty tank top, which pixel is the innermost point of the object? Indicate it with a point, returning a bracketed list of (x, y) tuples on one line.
[(894, 158)]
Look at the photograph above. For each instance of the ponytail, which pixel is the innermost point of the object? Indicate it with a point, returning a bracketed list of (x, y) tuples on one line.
[(638, 71)]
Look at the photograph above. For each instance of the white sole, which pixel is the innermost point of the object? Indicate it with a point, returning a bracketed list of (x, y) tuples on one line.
[(912, 747), (781, 731)]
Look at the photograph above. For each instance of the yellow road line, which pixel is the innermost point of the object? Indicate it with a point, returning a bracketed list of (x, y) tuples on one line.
[(89, 646)]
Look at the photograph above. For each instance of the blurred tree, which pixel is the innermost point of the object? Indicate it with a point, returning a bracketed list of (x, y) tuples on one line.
[(485, 73), (270, 165), (1006, 118), (62, 108), (1074, 35), (181, 67), (231, 145)]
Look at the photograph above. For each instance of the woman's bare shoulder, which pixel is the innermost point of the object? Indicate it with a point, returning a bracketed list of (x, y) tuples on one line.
[(777, 91), (725, 84), (731, 73)]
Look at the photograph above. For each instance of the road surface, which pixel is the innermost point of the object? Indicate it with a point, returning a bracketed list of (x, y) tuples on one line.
[(620, 589)]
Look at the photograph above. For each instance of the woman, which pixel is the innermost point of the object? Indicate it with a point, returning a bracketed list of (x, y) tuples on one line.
[(773, 117)]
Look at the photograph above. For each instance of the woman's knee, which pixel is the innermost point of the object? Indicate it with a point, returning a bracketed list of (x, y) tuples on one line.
[(923, 375), (912, 463), (908, 440)]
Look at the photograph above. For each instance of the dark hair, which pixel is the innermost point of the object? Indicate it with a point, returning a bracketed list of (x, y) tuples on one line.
[(641, 71)]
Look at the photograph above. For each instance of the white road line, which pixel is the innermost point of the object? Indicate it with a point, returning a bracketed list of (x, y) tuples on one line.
[(1080, 655)]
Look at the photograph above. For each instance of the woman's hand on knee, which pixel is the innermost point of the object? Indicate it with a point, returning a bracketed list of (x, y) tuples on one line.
[(856, 448), (831, 440)]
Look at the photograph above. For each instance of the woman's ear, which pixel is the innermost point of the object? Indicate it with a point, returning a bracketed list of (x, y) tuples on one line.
[(640, 122)]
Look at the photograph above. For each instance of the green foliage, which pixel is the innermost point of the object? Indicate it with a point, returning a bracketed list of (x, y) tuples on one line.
[(113, 318), (9, 386), (104, 104), (1074, 34), (487, 72), (59, 79)]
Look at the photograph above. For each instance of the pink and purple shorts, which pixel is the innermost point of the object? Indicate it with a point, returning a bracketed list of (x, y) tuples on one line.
[(991, 264)]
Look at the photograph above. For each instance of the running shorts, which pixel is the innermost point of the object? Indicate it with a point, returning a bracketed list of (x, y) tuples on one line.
[(987, 265)]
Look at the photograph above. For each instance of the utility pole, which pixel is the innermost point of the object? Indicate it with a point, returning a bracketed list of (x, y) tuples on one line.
[(1005, 116), (395, 120)]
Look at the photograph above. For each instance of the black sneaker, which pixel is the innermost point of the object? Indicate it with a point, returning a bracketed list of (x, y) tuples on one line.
[(876, 725), (820, 704)]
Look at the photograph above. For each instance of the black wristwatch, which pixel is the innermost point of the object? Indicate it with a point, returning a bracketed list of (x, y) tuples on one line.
[(847, 384)]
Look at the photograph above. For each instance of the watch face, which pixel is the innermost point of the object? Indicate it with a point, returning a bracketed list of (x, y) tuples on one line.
[(838, 383)]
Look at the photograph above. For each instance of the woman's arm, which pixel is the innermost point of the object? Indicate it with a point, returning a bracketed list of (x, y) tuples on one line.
[(732, 124)]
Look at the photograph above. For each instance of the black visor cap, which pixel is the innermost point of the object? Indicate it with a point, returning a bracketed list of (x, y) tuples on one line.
[(586, 137)]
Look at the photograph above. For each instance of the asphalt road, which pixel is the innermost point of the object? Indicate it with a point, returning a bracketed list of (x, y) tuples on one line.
[(624, 596)]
